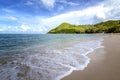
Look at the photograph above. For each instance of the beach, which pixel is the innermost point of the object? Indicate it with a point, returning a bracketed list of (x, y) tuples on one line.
[(104, 63), (59, 56)]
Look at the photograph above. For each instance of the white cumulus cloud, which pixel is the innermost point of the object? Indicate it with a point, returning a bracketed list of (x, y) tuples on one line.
[(48, 3), (24, 27)]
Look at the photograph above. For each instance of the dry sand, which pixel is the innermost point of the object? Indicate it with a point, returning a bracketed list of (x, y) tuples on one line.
[(104, 63)]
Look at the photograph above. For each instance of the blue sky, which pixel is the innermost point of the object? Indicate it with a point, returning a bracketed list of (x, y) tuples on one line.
[(39, 16)]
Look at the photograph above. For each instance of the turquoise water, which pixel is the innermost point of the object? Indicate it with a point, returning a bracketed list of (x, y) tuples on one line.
[(45, 56)]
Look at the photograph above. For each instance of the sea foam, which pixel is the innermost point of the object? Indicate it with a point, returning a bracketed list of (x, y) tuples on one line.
[(50, 62)]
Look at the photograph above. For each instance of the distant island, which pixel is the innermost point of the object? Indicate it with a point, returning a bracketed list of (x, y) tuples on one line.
[(111, 26)]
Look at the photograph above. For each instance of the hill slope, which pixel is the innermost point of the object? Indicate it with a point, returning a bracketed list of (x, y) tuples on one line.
[(112, 26)]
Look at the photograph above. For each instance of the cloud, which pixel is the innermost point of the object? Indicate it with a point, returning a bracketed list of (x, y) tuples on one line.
[(48, 3), (1, 30), (114, 6), (8, 18), (29, 3), (60, 8), (69, 3), (24, 27), (73, 4), (7, 10), (12, 18), (16, 29)]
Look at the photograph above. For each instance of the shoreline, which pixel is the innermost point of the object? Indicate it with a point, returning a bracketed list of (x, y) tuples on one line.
[(101, 62), (86, 64)]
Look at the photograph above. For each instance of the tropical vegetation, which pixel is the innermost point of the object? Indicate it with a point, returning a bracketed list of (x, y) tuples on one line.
[(111, 26)]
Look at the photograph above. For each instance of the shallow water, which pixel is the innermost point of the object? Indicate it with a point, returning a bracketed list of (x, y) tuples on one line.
[(45, 56)]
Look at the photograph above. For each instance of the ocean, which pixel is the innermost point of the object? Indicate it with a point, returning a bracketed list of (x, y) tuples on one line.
[(45, 56)]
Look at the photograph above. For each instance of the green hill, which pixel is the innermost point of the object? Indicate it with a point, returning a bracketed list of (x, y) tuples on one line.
[(112, 26)]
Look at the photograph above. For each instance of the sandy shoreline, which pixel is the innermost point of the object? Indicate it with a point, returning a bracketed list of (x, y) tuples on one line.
[(104, 64)]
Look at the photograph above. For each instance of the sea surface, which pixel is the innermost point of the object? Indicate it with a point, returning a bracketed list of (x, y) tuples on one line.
[(45, 56)]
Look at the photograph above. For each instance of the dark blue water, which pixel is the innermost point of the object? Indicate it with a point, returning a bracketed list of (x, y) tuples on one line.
[(44, 56)]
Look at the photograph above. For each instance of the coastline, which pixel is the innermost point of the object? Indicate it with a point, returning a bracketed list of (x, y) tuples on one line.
[(104, 63), (82, 67)]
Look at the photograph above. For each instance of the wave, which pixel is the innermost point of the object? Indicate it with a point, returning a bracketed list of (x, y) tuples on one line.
[(50, 62)]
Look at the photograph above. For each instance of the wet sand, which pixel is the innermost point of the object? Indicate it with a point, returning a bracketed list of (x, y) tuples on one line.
[(104, 63)]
